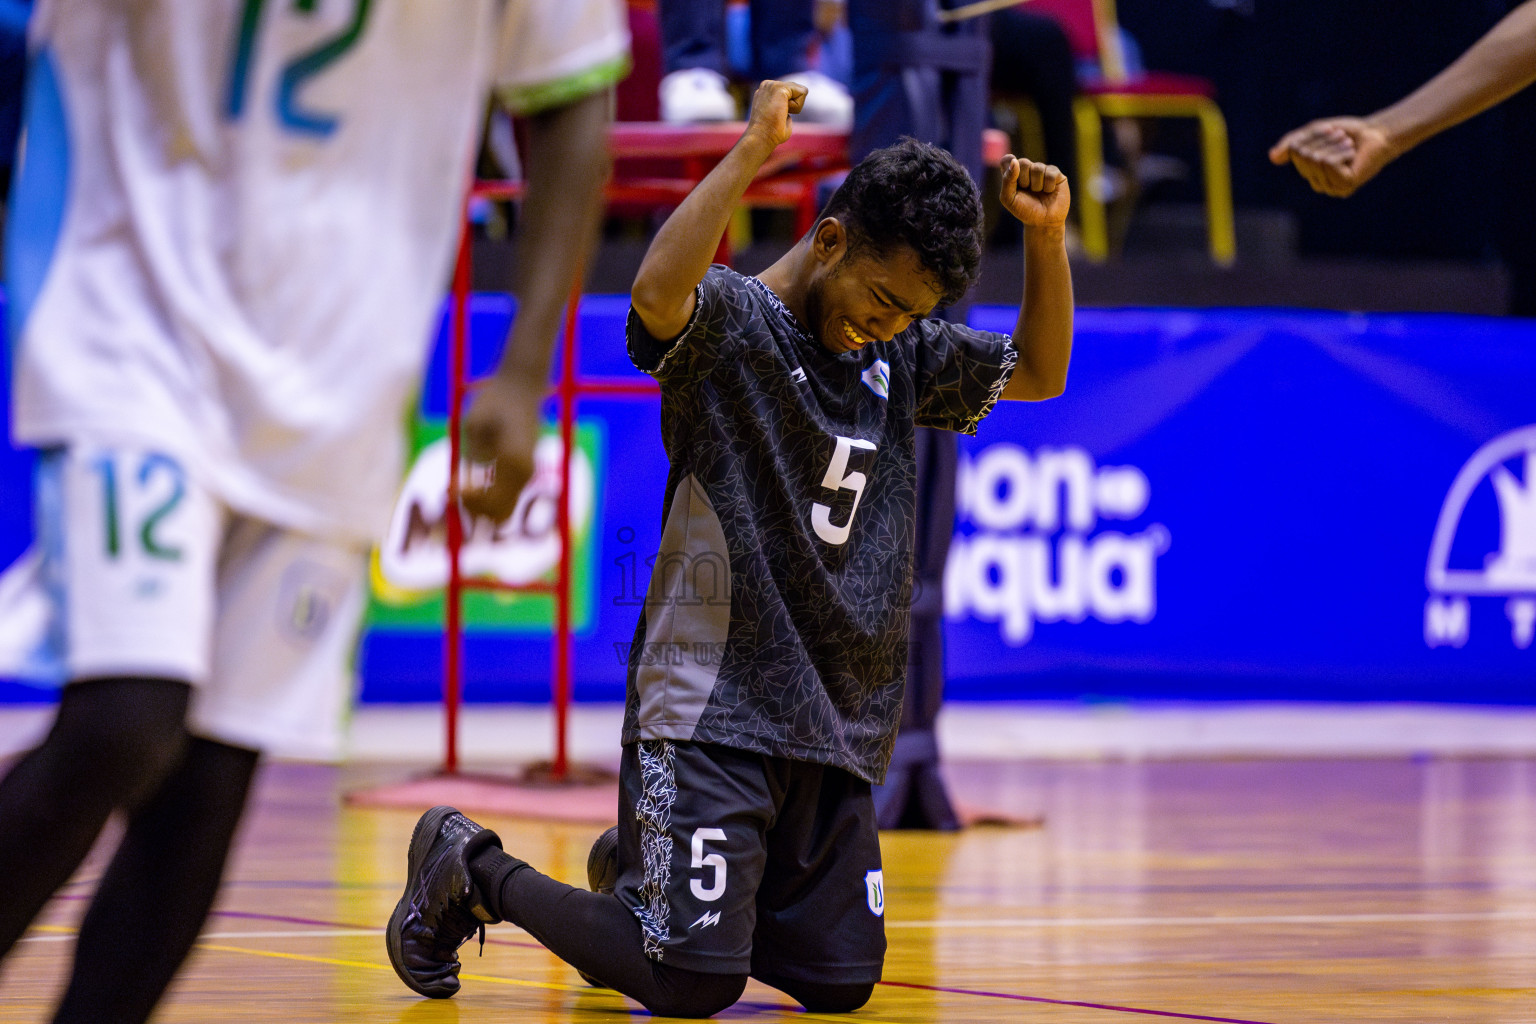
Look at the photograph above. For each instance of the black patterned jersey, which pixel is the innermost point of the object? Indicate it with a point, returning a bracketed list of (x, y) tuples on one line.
[(777, 615)]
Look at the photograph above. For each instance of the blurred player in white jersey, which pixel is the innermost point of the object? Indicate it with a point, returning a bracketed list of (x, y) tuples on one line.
[(228, 244)]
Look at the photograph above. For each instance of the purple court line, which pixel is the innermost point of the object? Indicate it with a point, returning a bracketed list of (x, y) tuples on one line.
[(251, 915), (280, 883), (1069, 1002), (1479, 885)]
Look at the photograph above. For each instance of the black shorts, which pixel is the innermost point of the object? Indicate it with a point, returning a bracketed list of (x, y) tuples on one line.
[(738, 863)]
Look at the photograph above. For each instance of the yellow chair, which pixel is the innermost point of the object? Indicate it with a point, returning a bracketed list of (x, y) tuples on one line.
[(1093, 28)]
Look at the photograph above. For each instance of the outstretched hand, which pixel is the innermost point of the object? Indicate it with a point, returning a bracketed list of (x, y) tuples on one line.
[(772, 105), (500, 431), (1035, 193), (1335, 154)]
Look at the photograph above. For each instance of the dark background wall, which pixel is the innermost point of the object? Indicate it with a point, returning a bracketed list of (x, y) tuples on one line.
[(1278, 63)]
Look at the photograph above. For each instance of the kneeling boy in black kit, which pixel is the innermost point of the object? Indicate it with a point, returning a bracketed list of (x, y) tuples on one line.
[(747, 844)]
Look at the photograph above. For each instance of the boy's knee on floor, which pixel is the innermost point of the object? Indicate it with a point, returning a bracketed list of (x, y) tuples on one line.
[(836, 998), (824, 997), (693, 994)]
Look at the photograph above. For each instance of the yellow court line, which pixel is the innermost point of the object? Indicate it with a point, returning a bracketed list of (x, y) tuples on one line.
[(337, 962), (1480, 993)]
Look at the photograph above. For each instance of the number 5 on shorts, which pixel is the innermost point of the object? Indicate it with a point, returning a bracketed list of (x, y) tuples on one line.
[(716, 888)]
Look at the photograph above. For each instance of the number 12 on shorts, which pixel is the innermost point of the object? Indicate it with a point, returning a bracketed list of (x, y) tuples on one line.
[(716, 888), (153, 488)]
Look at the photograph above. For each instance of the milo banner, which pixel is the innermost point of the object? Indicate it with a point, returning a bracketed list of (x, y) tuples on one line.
[(409, 567)]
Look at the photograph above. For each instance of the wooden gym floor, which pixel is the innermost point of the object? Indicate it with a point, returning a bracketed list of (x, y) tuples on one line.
[(1273, 891)]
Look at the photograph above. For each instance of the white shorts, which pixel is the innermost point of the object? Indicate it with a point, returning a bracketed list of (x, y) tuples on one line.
[(151, 575)]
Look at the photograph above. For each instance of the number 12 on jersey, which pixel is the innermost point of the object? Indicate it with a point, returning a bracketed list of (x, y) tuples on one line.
[(291, 113)]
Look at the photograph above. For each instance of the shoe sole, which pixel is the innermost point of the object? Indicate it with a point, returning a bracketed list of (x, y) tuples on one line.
[(421, 842), (605, 847)]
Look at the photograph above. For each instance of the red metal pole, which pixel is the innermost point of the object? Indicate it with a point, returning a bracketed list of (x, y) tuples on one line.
[(805, 208), (568, 385), (453, 626)]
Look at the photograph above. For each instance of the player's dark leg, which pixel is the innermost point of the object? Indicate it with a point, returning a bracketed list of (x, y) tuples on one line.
[(112, 745), (597, 934), (156, 894), (460, 880), (693, 34), (782, 34), (914, 795), (914, 76), (1031, 55), (820, 934)]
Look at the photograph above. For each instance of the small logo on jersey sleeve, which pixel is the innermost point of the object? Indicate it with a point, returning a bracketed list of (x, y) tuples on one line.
[(874, 891), (878, 377)]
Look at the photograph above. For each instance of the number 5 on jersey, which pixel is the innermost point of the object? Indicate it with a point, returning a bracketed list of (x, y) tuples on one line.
[(838, 478)]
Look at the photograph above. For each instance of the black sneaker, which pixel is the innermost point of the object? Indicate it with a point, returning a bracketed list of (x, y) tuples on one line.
[(602, 876), (441, 906)]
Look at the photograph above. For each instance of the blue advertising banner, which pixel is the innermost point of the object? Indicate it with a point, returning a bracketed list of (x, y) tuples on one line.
[(1256, 504), (1225, 505)]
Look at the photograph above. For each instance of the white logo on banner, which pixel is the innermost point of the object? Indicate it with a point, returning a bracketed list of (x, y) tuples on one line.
[(1039, 555), (1509, 571), (414, 557)]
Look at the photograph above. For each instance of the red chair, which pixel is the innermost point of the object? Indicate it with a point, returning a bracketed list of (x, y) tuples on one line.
[(1093, 29), (655, 165)]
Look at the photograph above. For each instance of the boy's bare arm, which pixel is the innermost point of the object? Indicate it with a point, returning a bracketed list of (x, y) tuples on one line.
[(1038, 195), (684, 247)]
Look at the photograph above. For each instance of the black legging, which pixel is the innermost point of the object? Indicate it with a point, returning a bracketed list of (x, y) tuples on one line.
[(596, 934), (121, 745)]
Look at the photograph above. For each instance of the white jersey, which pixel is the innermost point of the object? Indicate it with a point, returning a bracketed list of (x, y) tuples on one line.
[(235, 220)]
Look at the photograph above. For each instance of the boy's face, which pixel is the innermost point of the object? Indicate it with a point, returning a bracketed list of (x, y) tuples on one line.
[(853, 300)]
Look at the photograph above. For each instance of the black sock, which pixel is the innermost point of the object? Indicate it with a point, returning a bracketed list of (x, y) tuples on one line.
[(597, 935), (489, 870), (113, 743), (156, 894)]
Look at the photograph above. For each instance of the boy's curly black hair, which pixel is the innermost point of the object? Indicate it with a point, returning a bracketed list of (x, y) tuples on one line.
[(917, 195)]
